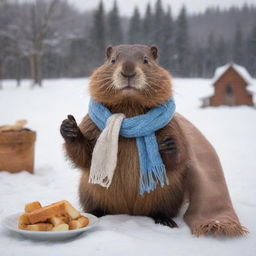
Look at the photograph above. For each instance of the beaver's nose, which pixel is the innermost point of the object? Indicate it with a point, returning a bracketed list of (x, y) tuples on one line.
[(128, 69)]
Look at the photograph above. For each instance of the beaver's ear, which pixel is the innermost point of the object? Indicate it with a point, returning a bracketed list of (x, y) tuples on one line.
[(154, 51), (108, 51)]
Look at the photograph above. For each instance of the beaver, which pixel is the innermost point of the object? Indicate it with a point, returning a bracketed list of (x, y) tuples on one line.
[(131, 82)]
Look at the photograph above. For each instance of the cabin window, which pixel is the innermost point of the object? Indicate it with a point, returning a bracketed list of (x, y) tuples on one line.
[(229, 89), (229, 98)]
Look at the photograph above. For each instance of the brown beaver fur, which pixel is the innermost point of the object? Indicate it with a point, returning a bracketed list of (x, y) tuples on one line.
[(130, 82)]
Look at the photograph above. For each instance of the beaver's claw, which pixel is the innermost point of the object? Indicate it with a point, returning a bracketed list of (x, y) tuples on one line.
[(167, 145)]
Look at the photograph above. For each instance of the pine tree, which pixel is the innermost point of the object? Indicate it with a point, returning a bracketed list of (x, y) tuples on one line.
[(166, 59), (135, 28), (97, 35), (211, 62), (251, 52), (222, 52), (115, 33), (182, 44), (237, 49), (147, 26), (158, 24), (198, 61)]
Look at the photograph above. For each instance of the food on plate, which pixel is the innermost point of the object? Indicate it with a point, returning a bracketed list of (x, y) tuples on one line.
[(59, 216), (79, 223), (57, 220), (30, 207), (71, 211), (61, 227), (23, 221), (47, 212), (40, 227)]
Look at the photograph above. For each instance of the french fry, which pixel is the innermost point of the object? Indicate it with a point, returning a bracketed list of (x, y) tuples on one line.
[(40, 227), (79, 223), (66, 218), (47, 212), (23, 221), (61, 227), (30, 207), (56, 220), (71, 211)]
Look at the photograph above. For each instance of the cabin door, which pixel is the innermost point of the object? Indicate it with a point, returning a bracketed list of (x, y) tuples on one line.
[(229, 98)]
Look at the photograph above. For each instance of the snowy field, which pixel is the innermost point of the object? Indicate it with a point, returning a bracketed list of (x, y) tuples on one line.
[(231, 130)]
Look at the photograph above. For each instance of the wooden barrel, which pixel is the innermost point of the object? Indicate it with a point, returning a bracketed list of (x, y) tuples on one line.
[(17, 150)]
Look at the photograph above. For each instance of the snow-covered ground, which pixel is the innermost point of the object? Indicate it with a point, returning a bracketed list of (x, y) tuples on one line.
[(231, 130)]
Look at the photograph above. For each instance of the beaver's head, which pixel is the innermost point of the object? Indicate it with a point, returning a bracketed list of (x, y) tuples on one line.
[(131, 74)]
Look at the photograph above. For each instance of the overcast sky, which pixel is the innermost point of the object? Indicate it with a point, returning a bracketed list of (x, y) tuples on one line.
[(127, 6)]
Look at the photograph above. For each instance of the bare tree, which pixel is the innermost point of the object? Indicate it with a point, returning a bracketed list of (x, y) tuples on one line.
[(40, 29)]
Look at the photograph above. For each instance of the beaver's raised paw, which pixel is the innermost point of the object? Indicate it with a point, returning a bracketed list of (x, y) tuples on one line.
[(69, 129)]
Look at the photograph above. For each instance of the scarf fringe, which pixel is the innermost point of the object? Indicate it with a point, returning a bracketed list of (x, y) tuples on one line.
[(100, 178), (150, 178), (215, 227)]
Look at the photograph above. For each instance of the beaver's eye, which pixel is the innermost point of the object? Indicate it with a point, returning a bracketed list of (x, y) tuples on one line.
[(145, 61), (113, 60)]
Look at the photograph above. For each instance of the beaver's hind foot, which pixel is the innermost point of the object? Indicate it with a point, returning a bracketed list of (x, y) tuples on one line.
[(165, 220)]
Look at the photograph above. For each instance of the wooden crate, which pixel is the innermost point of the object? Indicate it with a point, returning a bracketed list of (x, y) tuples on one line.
[(17, 150)]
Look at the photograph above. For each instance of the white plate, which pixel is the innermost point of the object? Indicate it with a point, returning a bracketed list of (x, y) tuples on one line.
[(11, 223)]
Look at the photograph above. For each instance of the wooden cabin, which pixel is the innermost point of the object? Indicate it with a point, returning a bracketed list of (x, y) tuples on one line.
[(230, 83)]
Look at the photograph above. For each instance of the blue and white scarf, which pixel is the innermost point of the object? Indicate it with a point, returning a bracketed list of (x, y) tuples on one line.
[(141, 127)]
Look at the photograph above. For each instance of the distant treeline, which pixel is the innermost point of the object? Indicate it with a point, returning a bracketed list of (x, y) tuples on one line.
[(50, 38)]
